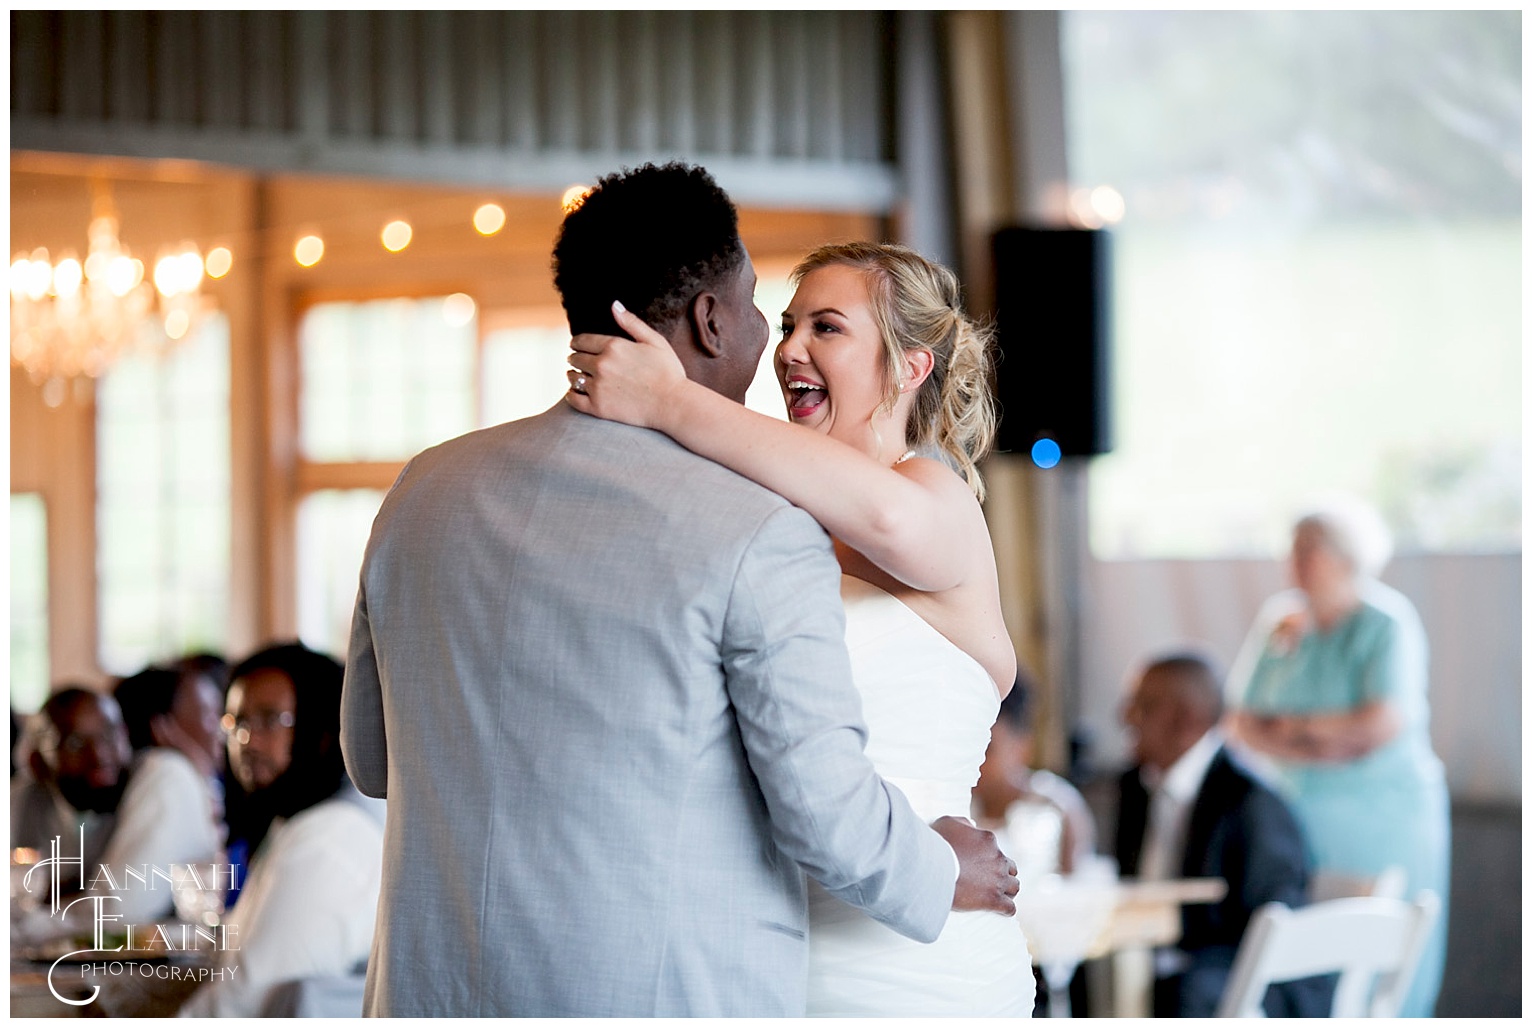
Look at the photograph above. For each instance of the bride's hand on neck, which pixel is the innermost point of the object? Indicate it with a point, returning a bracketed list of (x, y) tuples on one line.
[(914, 521), (636, 381)]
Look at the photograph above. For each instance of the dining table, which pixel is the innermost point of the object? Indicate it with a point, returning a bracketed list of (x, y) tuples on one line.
[(58, 974), (1066, 922), (129, 984), (1069, 922)]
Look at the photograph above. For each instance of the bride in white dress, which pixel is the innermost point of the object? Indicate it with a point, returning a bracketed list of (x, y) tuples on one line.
[(878, 359)]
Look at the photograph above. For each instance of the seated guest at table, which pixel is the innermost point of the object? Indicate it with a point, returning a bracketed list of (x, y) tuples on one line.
[(1189, 810), (211, 673), (179, 708), (77, 756), (194, 721), (172, 811), (1026, 807), (308, 905)]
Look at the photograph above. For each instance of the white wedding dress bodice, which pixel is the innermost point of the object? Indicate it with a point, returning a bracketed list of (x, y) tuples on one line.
[(928, 707)]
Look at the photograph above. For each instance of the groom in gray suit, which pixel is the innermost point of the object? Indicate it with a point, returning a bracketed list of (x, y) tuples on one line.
[(602, 683)]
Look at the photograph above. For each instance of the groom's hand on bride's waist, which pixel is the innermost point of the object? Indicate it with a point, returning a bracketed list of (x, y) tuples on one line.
[(986, 877)]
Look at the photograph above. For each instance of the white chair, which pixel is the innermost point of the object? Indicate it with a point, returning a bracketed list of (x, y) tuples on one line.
[(1328, 885), (1373, 942)]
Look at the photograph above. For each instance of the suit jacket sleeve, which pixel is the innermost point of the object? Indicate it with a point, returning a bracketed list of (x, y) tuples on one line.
[(789, 680), (1243, 832), (363, 739), (1240, 831), (1275, 865)]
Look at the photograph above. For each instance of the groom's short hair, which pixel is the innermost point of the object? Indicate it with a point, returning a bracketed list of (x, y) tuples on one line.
[(652, 237)]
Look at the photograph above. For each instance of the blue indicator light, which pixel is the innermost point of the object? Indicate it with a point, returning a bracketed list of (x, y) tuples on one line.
[(1046, 453)]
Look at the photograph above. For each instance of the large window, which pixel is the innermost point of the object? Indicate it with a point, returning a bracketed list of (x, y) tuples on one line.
[(29, 602), (1318, 271), (525, 357), (381, 380), (385, 379), (162, 496), (333, 525)]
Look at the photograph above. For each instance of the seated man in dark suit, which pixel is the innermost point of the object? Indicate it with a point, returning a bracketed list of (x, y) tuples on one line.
[(1190, 810)]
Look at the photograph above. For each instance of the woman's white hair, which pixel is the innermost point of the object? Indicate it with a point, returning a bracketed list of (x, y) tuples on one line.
[(1354, 529)]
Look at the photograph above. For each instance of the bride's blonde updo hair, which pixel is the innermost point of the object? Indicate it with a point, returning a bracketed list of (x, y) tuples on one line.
[(917, 304)]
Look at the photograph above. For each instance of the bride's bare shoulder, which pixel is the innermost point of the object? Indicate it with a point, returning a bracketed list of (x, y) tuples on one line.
[(954, 500), (940, 478)]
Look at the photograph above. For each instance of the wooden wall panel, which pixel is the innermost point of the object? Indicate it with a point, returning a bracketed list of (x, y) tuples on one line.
[(53, 453)]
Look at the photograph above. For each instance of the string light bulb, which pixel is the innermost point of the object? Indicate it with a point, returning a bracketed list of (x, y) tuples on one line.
[(308, 250), (458, 309), (219, 262), (397, 235), (489, 219)]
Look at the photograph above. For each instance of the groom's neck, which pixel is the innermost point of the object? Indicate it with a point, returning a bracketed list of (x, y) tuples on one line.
[(706, 370)]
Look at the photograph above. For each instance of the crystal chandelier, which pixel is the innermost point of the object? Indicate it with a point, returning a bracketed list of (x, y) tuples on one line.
[(71, 318)]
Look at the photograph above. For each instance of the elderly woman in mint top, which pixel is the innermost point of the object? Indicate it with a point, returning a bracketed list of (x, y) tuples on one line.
[(1331, 687)]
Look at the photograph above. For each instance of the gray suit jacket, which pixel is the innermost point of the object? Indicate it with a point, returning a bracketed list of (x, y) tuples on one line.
[(603, 684)]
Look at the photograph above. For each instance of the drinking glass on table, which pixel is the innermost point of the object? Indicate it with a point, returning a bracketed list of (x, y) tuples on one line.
[(24, 894), (1063, 918), (30, 885)]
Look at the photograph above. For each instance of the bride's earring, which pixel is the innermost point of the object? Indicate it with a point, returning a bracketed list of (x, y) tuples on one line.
[(912, 374)]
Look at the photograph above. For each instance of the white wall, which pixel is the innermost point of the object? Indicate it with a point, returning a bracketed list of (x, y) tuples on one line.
[(1471, 607)]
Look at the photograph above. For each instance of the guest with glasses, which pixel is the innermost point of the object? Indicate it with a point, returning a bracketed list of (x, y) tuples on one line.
[(241, 729), (308, 846)]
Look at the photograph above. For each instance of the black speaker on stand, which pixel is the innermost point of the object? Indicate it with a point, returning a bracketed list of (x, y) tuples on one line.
[(1053, 325)]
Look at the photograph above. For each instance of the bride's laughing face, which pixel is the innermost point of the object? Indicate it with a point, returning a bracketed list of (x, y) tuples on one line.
[(830, 360)]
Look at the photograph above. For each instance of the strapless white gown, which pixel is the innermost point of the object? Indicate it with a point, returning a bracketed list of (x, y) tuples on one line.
[(928, 707)]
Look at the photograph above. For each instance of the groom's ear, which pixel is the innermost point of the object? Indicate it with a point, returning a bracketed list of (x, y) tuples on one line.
[(702, 315)]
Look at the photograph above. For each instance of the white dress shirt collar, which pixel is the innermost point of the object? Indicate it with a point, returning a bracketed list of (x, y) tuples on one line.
[(1171, 797), (1184, 779)]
